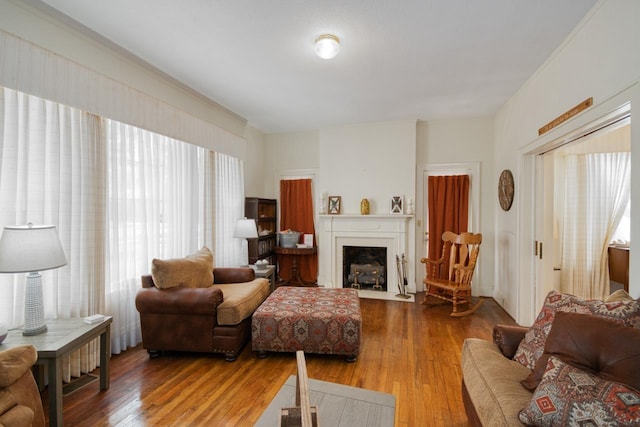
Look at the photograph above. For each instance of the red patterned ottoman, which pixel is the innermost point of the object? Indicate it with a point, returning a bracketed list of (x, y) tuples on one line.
[(314, 320)]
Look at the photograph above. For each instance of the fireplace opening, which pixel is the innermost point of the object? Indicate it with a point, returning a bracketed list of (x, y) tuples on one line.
[(364, 267)]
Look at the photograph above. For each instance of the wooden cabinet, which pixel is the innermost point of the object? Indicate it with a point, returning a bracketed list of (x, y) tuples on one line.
[(619, 265), (264, 212)]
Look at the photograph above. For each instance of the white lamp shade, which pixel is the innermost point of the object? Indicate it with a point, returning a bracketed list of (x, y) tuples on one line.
[(246, 228), (327, 46), (30, 248)]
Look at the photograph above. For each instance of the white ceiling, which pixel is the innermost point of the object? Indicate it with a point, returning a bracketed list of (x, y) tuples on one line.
[(402, 59)]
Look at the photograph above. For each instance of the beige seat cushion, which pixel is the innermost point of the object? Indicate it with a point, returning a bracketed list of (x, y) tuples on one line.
[(240, 300), (493, 382)]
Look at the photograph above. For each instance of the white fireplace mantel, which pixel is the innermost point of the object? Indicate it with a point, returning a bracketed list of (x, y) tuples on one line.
[(389, 231)]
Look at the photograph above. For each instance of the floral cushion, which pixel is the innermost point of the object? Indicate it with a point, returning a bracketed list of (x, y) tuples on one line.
[(568, 396), (532, 346)]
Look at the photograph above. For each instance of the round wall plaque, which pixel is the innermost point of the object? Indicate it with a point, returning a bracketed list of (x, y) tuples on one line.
[(505, 189)]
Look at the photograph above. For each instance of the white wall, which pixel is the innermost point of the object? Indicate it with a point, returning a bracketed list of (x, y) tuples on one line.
[(287, 152), (254, 163), (372, 160), (460, 141), (600, 59)]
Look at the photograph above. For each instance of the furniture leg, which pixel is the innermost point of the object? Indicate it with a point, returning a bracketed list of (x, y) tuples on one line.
[(105, 350), (54, 367)]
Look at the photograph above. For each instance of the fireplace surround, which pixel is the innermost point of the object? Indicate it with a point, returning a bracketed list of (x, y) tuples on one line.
[(368, 231)]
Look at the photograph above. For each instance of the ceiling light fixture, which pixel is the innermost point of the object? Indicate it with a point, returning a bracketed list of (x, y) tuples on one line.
[(327, 46)]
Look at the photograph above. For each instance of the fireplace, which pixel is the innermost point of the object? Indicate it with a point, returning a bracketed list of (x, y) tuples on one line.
[(364, 267), (387, 232)]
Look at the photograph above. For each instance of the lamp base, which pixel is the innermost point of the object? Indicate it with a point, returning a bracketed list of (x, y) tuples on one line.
[(33, 306), (36, 331)]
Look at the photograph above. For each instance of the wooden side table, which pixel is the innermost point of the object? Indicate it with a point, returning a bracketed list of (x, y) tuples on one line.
[(295, 273), (62, 338), (267, 273)]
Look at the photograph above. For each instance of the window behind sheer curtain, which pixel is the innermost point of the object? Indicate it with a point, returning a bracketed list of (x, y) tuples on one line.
[(51, 172), (156, 203), (229, 202), (596, 196), (119, 195)]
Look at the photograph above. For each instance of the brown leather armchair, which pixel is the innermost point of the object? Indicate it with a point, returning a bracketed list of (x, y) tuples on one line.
[(20, 403), (187, 319)]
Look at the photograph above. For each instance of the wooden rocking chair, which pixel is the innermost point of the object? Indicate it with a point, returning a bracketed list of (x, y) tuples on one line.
[(449, 278)]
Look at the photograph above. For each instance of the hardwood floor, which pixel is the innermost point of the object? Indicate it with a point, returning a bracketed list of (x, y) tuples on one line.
[(408, 350)]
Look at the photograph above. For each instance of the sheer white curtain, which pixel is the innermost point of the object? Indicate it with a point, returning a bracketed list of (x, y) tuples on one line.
[(157, 209), (51, 172), (229, 208), (596, 196)]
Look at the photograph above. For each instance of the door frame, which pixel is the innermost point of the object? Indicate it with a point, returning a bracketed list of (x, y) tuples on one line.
[(531, 291)]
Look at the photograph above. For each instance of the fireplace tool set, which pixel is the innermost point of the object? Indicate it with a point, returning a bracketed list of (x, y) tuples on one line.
[(402, 277)]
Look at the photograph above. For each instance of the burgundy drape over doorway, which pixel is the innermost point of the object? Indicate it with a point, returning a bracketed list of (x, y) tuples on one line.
[(448, 198), (296, 213)]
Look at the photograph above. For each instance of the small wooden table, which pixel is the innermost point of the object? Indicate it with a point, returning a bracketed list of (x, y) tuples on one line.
[(295, 273), (62, 338)]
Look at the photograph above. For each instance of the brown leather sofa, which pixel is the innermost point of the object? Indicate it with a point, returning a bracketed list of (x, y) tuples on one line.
[(214, 319), (20, 403)]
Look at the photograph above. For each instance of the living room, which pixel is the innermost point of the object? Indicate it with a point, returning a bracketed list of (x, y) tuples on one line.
[(596, 60)]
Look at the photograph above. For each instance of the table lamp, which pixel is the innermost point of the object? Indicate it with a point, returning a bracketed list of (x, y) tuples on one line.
[(246, 229), (31, 249)]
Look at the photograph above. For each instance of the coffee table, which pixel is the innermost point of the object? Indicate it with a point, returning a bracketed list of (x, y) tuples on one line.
[(62, 338), (338, 405)]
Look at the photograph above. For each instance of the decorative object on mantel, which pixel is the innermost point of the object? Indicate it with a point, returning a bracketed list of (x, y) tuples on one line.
[(402, 278), (364, 207), (323, 205), (335, 203), (566, 116), (409, 206), (505, 189), (397, 205)]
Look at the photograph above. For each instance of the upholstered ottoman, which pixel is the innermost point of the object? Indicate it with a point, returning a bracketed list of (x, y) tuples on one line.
[(314, 320)]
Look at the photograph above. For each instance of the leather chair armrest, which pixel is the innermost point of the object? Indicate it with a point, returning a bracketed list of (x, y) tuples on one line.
[(178, 300), (508, 337), (233, 275)]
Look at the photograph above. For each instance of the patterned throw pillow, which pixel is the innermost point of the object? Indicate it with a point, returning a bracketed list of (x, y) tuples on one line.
[(531, 347), (568, 396)]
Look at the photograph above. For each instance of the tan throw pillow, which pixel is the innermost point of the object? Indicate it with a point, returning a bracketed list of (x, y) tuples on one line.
[(193, 271), (619, 295)]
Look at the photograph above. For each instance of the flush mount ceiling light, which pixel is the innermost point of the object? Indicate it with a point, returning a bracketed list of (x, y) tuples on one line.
[(327, 46)]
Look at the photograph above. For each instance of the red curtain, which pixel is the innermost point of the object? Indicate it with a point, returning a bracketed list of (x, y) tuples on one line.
[(296, 213), (448, 198)]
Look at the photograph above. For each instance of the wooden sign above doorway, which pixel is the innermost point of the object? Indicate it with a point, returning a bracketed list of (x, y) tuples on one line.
[(566, 116)]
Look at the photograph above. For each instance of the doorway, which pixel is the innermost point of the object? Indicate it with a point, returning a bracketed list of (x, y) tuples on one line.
[(582, 206), (467, 168)]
